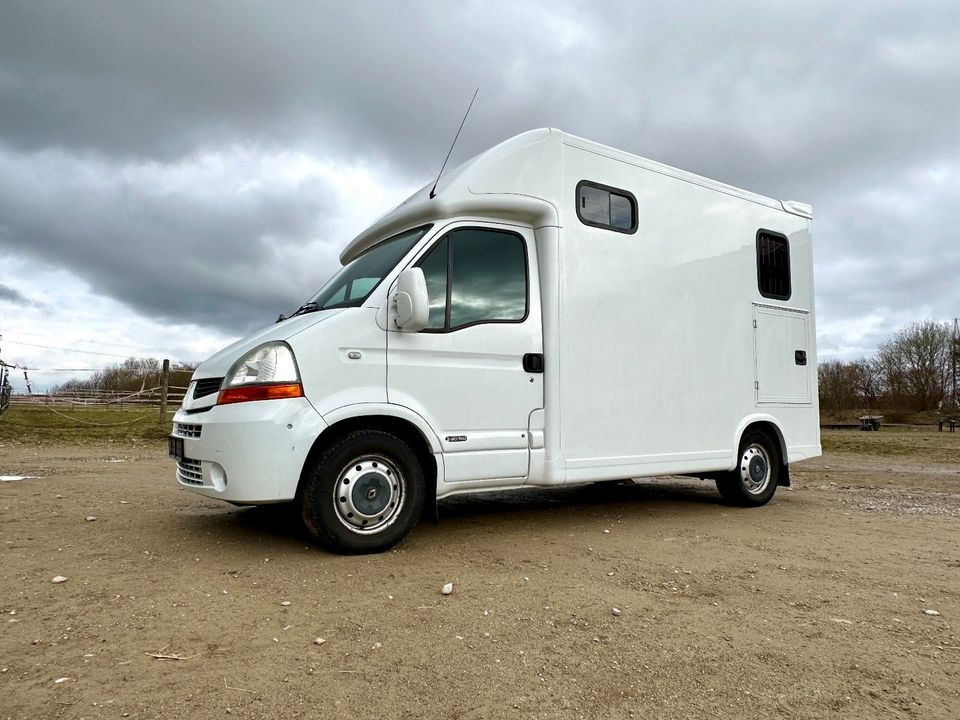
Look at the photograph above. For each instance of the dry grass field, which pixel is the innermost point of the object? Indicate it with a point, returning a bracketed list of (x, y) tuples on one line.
[(175, 606)]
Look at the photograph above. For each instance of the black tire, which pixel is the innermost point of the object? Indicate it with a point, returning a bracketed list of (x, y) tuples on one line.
[(364, 493), (754, 481)]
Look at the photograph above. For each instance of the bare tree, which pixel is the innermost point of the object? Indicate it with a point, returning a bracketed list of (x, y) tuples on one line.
[(131, 375), (834, 382), (914, 365), (867, 383), (846, 385)]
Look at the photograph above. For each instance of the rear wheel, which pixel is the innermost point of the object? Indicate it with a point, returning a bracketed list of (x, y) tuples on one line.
[(754, 481), (364, 493)]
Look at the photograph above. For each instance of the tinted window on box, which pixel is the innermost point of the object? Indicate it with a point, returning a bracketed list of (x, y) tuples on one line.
[(773, 265), (606, 207)]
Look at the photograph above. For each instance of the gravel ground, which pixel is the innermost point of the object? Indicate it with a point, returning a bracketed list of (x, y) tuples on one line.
[(176, 606)]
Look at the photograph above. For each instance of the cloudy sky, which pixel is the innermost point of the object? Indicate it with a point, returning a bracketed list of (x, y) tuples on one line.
[(174, 174)]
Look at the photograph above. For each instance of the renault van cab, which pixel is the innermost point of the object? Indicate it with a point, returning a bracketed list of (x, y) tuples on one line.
[(557, 312)]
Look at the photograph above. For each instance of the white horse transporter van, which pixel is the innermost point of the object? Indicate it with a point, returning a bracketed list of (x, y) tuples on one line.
[(556, 312)]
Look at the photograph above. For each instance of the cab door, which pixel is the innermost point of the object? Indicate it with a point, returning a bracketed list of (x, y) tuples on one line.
[(475, 371)]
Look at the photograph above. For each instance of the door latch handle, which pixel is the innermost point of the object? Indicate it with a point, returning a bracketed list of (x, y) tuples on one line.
[(800, 357), (533, 362)]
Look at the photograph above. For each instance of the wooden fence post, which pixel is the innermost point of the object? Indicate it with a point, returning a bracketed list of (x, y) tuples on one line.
[(164, 384)]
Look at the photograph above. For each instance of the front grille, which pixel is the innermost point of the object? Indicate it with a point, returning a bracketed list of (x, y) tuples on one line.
[(190, 471), (188, 431), (207, 386)]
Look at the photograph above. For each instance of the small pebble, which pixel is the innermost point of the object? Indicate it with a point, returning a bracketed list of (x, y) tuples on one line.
[(616, 612), (285, 603), (61, 579), (319, 641), (91, 518), (925, 612), (606, 532), (447, 589)]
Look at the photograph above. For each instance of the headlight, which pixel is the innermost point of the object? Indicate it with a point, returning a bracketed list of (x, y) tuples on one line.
[(268, 372)]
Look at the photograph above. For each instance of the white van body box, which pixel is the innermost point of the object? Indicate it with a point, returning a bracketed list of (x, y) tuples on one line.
[(658, 348)]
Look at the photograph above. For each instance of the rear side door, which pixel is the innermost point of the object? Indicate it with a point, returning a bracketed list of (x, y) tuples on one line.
[(466, 372), (781, 340)]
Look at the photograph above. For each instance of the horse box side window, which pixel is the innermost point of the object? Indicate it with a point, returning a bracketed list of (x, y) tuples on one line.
[(606, 207), (773, 265)]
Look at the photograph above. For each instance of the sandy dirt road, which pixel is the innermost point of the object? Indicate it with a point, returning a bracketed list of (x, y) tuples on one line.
[(810, 607)]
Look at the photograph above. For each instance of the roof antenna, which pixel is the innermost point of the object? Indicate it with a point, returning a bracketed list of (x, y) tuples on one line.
[(433, 190)]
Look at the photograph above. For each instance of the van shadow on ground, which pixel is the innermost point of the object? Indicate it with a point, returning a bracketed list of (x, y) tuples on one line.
[(600, 497), (537, 508)]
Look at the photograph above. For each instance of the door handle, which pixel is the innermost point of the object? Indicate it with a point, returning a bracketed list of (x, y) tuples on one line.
[(533, 362), (800, 357)]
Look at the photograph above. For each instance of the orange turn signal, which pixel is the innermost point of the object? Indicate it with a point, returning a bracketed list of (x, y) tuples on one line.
[(247, 393)]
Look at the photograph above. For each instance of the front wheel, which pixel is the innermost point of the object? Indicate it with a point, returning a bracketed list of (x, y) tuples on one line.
[(754, 481), (364, 493)]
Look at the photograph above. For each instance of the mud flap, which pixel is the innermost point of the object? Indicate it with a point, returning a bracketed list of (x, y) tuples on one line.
[(784, 479), (431, 506)]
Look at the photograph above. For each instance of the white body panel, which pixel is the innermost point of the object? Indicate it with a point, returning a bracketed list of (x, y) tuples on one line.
[(659, 348)]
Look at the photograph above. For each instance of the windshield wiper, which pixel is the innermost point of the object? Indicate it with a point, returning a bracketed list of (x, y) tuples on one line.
[(307, 307)]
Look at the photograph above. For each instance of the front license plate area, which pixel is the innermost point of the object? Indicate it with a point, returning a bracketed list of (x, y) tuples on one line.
[(175, 447)]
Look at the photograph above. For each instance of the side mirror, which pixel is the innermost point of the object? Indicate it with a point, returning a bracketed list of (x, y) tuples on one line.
[(410, 302)]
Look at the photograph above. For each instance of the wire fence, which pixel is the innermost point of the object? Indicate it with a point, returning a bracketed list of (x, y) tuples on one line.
[(102, 399)]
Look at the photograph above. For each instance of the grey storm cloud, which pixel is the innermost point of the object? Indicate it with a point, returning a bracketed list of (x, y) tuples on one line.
[(181, 245), (13, 296), (852, 107)]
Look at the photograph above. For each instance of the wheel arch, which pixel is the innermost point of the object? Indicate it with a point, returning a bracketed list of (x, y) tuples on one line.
[(768, 425), (397, 420)]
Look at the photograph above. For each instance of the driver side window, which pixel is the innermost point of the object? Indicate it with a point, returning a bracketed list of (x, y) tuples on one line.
[(476, 275)]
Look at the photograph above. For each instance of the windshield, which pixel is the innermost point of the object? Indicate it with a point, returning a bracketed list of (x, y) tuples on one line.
[(356, 280)]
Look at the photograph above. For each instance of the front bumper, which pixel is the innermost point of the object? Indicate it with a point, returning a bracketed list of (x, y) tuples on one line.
[(247, 453)]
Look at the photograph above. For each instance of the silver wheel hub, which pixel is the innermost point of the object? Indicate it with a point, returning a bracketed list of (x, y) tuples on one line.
[(369, 494), (755, 469)]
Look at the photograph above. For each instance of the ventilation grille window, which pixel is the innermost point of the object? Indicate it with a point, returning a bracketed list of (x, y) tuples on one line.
[(773, 265)]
